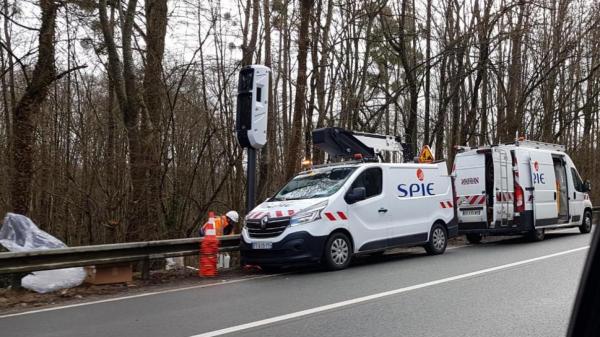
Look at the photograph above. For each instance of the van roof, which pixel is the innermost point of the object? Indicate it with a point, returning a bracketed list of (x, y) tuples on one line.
[(523, 144), (355, 163)]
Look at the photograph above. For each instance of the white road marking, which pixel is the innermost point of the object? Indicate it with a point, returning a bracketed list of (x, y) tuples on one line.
[(141, 295), (353, 301)]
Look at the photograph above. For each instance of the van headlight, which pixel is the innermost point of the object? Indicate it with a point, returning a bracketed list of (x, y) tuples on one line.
[(309, 214)]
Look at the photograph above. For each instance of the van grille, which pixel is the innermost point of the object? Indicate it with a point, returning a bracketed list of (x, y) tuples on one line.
[(271, 229)]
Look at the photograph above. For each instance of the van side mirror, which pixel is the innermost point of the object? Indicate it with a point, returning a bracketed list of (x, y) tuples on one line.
[(587, 186), (356, 194)]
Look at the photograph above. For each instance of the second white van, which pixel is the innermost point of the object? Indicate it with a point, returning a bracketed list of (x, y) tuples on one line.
[(522, 188)]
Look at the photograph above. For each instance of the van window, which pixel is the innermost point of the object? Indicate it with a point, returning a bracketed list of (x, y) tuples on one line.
[(371, 179), (314, 184), (577, 180)]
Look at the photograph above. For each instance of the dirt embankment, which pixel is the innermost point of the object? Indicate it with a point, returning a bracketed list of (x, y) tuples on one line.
[(17, 300)]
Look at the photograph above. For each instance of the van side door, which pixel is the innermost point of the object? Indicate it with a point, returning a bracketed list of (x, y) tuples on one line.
[(577, 196), (417, 198), (545, 211), (368, 218)]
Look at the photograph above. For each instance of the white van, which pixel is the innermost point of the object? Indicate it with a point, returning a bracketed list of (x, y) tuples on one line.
[(521, 188), (330, 213)]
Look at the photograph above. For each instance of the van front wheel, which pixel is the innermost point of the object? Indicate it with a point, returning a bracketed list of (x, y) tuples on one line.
[(586, 226), (438, 240), (338, 251)]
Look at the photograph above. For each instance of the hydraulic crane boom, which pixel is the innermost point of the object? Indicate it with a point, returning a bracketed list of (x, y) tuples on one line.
[(339, 143)]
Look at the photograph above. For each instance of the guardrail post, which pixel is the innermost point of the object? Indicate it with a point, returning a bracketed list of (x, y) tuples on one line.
[(145, 268), (15, 280)]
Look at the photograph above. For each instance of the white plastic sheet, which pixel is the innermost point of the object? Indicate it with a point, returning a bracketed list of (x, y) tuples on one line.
[(20, 234)]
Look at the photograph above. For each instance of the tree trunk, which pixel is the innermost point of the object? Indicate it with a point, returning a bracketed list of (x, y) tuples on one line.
[(426, 121), (249, 48), (512, 122), (293, 159), (268, 153), (154, 95), (124, 81), (552, 66), (30, 104), (320, 77)]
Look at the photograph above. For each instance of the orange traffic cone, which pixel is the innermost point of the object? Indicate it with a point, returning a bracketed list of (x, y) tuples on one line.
[(209, 247)]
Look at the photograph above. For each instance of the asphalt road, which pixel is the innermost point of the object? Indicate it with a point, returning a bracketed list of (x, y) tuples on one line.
[(505, 288)]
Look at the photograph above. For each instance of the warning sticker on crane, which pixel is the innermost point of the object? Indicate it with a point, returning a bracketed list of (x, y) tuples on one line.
[(426, 156)]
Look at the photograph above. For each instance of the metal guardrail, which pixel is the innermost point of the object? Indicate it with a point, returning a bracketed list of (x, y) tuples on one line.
[(25, 262)]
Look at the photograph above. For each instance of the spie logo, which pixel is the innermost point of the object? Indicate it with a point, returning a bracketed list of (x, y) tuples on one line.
[(538, 178), (416, 189), (420, 175)]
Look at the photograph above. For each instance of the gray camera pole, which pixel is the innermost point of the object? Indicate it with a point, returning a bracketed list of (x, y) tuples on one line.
[(251, 180)]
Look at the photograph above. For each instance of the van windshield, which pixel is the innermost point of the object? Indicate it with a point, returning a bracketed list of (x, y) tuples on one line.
[(315, 184)]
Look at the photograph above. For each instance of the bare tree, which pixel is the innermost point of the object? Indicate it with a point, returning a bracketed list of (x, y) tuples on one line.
[(294, 153), (28, 106)]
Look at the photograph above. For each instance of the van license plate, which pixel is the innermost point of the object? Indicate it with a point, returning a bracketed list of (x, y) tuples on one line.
[(262, 245), (471, 212)]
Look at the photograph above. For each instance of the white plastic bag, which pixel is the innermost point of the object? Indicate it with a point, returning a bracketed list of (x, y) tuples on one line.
[(20, 234)]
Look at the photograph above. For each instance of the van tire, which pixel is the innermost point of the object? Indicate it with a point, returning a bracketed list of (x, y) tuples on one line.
[(474, 239), (586, 225), (438, 240), (536, 235), (338, 251)]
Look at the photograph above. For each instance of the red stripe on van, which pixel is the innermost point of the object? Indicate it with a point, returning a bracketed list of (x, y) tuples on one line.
[(443, 204), (481, 200), (330, 216), (278, 214), (290, 212), (256, 215), (449, 204), (342, 215)]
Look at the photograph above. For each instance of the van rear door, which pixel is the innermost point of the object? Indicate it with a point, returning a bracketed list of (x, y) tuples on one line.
[(545, 211), (470, 181)]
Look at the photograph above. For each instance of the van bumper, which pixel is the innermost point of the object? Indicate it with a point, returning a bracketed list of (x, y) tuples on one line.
[(295, 248), (519, 225)]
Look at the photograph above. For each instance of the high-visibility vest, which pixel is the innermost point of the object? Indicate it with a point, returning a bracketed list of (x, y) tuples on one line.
[(220, 223)]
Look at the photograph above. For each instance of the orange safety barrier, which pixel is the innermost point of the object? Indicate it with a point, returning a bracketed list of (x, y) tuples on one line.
[(209, 247)]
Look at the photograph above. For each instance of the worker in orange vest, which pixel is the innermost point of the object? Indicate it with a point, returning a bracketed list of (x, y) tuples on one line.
[(224, 224)]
